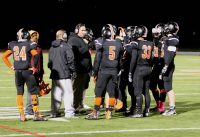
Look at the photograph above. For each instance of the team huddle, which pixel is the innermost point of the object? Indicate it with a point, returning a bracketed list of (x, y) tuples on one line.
[(123, 59)]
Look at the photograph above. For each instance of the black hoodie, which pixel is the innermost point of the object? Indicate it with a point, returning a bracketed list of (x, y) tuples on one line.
[(82, 55)]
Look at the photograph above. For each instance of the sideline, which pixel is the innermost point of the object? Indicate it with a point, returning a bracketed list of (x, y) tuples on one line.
[(108, 131)]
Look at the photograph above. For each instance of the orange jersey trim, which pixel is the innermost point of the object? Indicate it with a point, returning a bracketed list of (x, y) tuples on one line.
[(5, 56)]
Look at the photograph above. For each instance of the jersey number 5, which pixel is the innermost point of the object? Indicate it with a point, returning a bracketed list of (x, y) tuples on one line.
[(112, 52)]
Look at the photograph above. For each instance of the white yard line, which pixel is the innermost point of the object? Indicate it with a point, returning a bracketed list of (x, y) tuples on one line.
[(7, 87), (59, 119), (178, 94), (12, 113), (105, 131)]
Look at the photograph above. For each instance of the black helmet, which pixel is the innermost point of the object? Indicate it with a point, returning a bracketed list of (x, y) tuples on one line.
[(171, 28), (129, 31), (107, 31), (89, 34), (140, 31), (23, 34), (158, 30)]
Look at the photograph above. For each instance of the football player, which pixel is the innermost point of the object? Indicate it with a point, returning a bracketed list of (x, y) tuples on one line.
[(170, 48), (140, 70), (107, 64), (159, 93), (34, 37), (22, 51)]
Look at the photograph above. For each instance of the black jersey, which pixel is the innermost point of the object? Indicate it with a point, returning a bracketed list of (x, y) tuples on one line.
[(158, 51), (21, 53), (108, 56), (141, 54), (128, 53), (170, 48)]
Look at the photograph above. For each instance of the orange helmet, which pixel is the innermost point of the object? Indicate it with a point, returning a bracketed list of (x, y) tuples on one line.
[(44, 88)]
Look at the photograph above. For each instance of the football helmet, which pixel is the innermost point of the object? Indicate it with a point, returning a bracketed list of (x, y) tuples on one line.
[(158, 30), (129, 31), (89, 34), (140, 31), (108, 30), (44, 88), (171, 28), (23, 34)]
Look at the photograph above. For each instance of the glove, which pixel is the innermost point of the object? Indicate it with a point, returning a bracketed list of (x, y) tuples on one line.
[(120, 72), (130, 77), (73, 75), (164, 70)]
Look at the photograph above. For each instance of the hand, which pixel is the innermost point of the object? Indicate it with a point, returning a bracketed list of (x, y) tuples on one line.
[(12, 67), (73, 75), (40, 78), (130, 77), (95, 79), (34, 70)]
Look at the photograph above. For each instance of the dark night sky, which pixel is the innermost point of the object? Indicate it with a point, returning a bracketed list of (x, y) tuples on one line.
[(48, 17)]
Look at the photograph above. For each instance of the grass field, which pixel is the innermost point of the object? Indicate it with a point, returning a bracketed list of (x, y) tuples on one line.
[(185, 124)]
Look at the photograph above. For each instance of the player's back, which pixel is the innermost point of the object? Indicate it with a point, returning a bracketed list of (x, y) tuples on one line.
[(111, 53), (21, 53), (144, 48)]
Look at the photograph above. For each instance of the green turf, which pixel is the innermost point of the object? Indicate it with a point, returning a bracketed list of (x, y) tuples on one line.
[(185, 124)]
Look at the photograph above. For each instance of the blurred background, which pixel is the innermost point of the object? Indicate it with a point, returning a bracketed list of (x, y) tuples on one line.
[(47, 17)]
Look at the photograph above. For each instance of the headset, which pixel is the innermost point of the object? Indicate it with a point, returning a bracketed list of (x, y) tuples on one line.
[(76, 31)]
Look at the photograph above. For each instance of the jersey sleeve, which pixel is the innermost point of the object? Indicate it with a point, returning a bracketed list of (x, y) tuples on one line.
[(172, 44), (134, 55)]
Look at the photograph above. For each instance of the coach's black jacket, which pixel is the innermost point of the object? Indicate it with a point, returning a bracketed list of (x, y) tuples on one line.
[(61, 60), (82, 55)]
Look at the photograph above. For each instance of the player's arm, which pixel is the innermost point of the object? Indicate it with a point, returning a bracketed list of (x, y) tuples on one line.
[(5, 56), (35, 60), (97, 60), (156, 40), (171, 50), (122, 57), (41, 62), (132, 64), (133, 60), (169, 54)]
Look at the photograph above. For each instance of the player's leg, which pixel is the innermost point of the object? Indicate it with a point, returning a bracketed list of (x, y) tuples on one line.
[(34, 90), (20, 92), (99, 89), (168, 87)]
